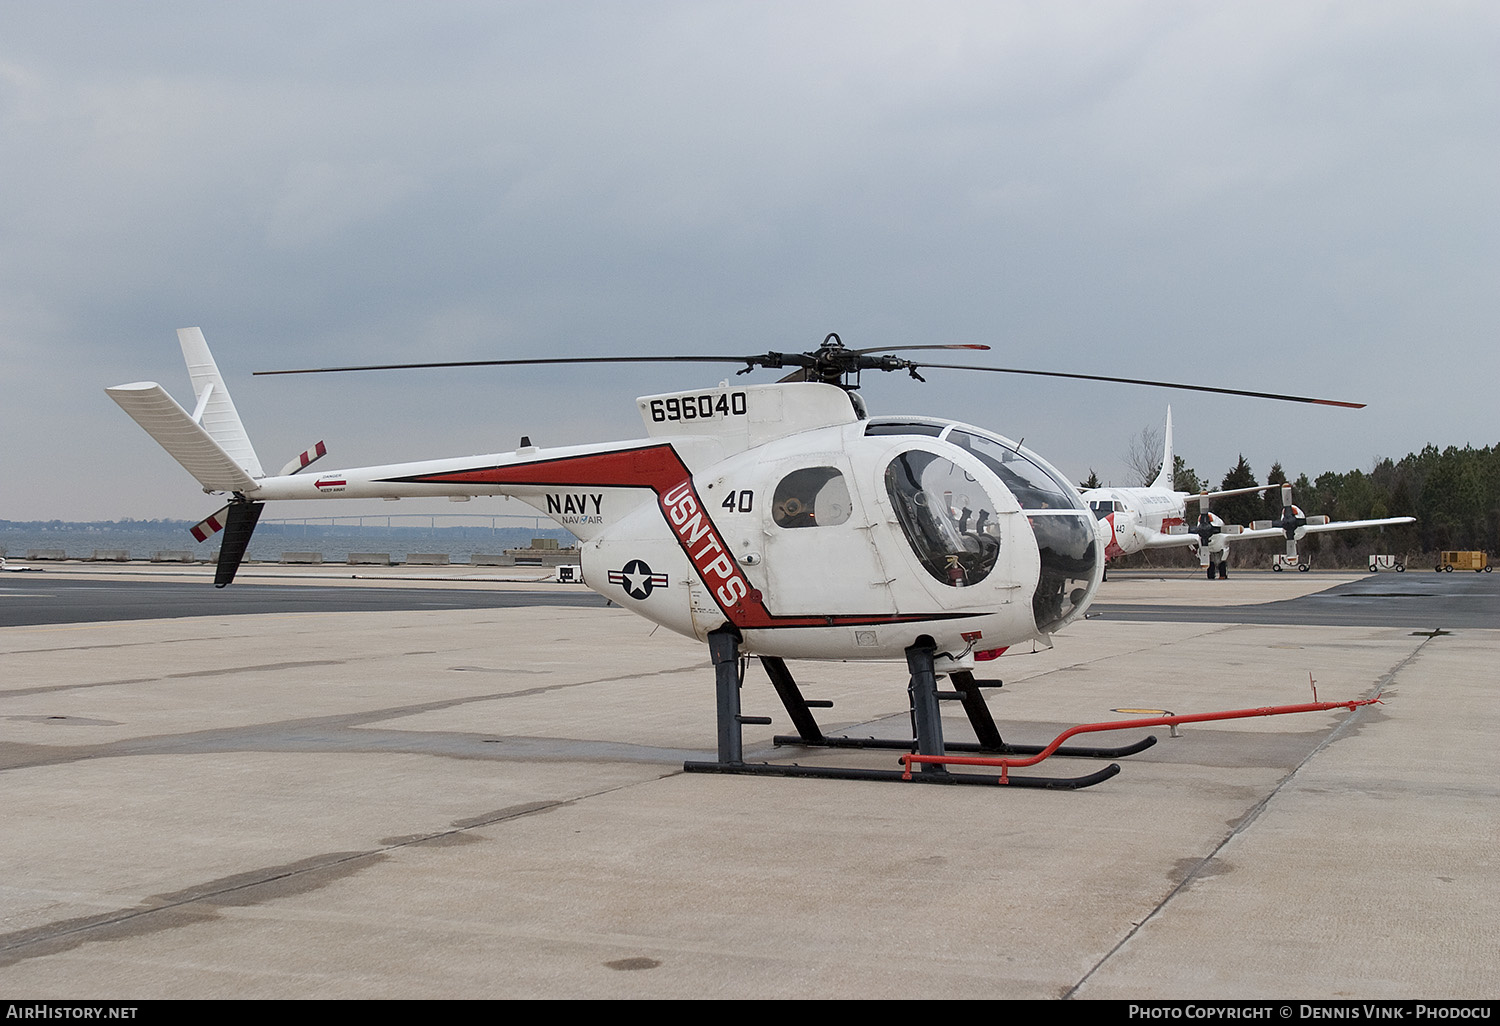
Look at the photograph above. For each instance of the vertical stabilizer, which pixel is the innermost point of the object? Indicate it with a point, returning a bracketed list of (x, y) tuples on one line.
[(215, 411), (242, 518), (1164, 478)]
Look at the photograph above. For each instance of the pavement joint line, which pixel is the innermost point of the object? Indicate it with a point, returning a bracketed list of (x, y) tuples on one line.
[(34, 935), (1250, 817)]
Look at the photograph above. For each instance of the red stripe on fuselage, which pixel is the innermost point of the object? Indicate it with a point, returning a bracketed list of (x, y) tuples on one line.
[(657, 467)]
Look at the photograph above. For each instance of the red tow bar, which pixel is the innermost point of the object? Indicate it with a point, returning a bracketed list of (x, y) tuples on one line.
[(1153, 721)]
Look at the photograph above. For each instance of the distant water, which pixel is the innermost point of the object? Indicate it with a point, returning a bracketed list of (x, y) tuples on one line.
[(142, 539)]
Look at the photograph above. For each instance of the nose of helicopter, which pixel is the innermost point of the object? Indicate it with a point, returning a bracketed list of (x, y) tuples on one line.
[(1071, 545), (1064, 528)]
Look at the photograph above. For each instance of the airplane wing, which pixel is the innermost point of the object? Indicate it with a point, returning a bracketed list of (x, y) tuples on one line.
[(1155, 540), (1350, 525), (1250, 534)]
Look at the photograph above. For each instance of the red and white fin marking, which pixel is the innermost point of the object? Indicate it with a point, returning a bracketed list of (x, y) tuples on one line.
[(305, 460), (210, 525)]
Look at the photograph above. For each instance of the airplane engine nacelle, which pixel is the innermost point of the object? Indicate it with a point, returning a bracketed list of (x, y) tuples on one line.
[(1217, 541), (1213, 537), (1302, 521), (1127, 530)]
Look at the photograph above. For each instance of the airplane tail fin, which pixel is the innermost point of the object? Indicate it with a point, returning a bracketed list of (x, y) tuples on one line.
[(211, 442), (1164, 479)]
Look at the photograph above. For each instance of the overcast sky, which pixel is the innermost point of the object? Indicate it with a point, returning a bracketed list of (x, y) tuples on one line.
[(1281, 196)]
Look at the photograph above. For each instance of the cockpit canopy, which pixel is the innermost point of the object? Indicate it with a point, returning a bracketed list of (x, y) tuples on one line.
[(943, 513)]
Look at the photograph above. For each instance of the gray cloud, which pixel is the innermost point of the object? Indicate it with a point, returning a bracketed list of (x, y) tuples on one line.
[(1283, 196)]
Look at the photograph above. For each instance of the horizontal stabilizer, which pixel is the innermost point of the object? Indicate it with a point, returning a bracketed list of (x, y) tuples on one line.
[(185, 440), (242, 518)]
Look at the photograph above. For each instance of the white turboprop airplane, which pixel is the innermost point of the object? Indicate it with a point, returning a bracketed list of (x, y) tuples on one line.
[(1156, 517), (1294, 525)]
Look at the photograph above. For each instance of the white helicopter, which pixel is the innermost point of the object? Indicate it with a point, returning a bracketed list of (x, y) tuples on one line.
[(778, 520), (1156, 517)]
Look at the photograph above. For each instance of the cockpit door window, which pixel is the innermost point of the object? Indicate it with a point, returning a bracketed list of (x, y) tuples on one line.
[(946, 516)]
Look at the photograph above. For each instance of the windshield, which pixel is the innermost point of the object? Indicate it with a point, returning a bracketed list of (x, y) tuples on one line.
[(1033, 486), (1069, 549), (1064, 527)]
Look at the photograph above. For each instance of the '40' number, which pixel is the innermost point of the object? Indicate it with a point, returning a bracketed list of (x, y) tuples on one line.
[(739, 502)]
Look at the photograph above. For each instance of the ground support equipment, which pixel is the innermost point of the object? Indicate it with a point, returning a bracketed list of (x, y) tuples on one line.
[(1171, 720)]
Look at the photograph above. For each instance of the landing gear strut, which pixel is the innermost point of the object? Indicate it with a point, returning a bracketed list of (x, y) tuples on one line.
[(927, 727)]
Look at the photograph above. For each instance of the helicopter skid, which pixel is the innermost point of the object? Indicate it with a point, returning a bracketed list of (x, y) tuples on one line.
[(764, 769), (926, 723)]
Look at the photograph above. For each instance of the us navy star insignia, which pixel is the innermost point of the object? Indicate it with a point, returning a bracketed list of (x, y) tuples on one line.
[(637, 579)]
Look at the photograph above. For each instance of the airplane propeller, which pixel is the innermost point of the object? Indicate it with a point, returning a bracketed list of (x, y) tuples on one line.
[(1208, 528), (1213, 539), (1292, 522), (831, 363)]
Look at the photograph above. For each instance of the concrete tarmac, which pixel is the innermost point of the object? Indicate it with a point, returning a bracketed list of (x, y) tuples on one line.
[(490, 802), (58, 598)]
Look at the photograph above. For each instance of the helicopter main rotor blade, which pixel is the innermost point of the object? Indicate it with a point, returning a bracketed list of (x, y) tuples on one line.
[(1142, 381), (772, 360), (826, 364), (902, 349), (519, 363)]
